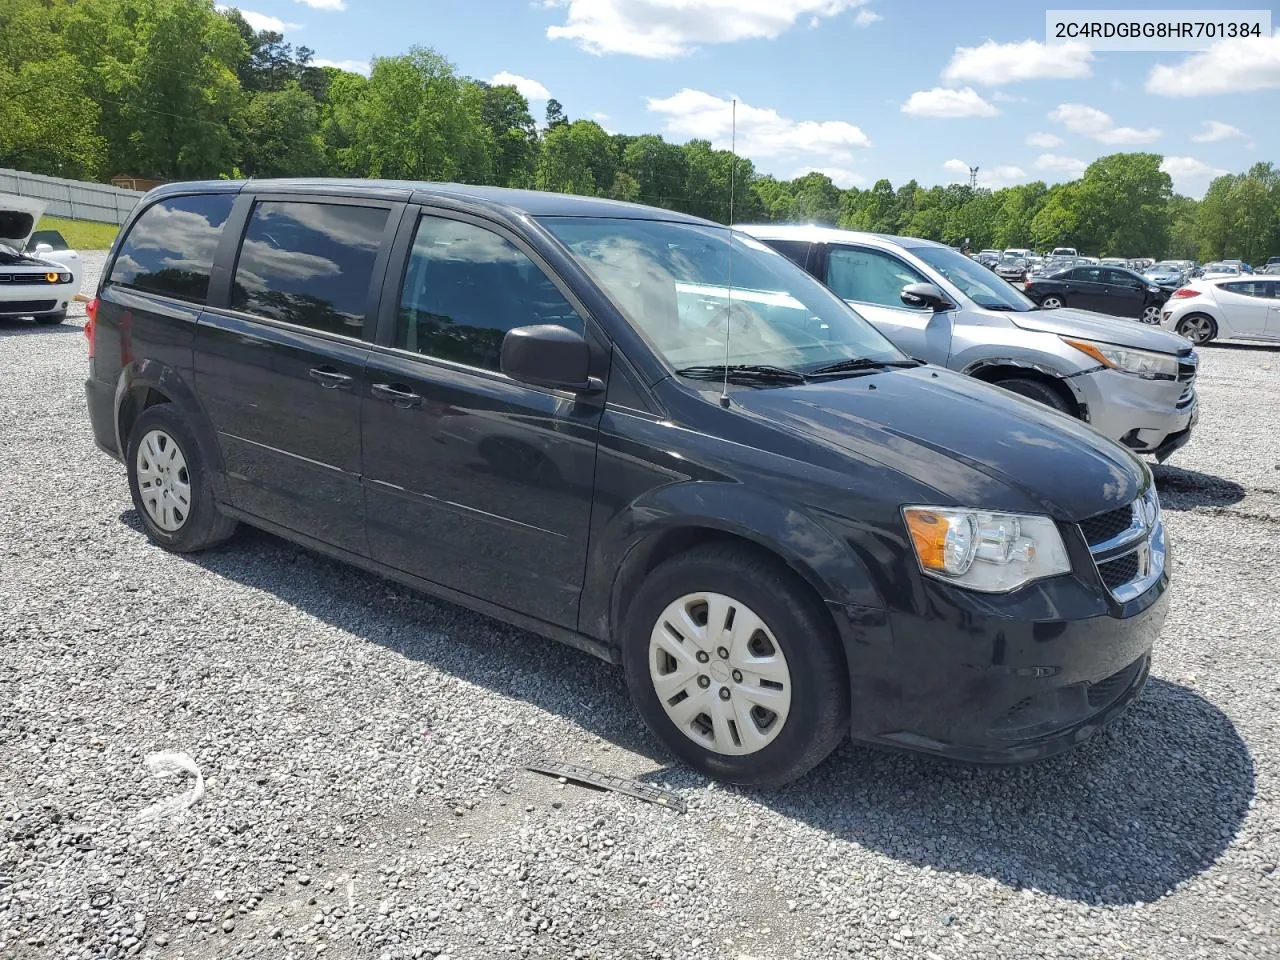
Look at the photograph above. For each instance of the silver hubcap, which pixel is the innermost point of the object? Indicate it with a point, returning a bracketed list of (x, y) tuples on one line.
[(719, 674), (1051, 303), (1151, 314), (1195, 329), (163, 481)]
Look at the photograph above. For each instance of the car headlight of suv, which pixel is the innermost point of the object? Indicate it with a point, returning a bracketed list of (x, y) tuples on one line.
[(1139, 363), (985, 551)]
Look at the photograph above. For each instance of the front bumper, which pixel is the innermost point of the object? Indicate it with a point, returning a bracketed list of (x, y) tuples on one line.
[(1002, 679), (1147, 416), (30, 299)]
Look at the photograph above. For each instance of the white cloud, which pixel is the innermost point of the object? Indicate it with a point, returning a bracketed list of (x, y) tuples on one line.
[(993, 64), (762, 133), (865, 18), (531, 90), (262, 21), (673, 28), (1045, 141), (941, 102), (1216, 130), (1190, 176), (1096, 125), (842, 178), (1003, 175), (325, 4), (1229, 66), (361, 67), (1068, 165)]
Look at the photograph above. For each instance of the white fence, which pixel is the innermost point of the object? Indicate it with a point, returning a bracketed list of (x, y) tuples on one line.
[(73, 199)]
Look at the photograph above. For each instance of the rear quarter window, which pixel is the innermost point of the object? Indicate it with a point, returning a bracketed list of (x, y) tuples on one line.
[(170, 248)]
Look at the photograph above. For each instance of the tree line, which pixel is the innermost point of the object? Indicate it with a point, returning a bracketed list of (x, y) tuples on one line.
[(176, 89)]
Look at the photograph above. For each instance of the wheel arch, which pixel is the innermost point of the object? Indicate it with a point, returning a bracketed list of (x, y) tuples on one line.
[(675, 519), (993, 371), (146, 383)]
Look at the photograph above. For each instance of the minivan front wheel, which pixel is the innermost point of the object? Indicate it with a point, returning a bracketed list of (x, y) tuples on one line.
[(170, 484), (735, 665)]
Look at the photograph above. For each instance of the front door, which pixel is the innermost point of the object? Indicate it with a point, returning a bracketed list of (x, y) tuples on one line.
[(1125, 293), (279, 364), (1248, 308), (473, 480), (871, 281)]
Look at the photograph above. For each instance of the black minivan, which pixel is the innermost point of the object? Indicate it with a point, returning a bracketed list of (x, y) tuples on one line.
[(642, 434)]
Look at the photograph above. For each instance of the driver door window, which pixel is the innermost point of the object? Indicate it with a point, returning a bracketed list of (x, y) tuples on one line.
[(869, 276)]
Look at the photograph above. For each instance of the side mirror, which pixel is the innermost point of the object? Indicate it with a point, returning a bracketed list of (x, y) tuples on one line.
[(928, 296), (44, 248), (549, 355)]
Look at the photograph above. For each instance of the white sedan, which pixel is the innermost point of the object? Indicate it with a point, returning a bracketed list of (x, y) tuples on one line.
[(1230, 307), (32, 286)]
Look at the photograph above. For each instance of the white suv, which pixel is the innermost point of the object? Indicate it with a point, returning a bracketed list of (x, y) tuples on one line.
[(39, 287)]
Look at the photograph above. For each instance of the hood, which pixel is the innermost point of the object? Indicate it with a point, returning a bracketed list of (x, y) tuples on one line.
[(977, 445), (18, 218), (1070, 322)]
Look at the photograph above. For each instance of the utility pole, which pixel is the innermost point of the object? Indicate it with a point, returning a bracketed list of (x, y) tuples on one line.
[(973, 177)]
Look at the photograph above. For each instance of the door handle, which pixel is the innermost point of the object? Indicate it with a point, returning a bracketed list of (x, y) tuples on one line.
[(329, 378), (396, 394)]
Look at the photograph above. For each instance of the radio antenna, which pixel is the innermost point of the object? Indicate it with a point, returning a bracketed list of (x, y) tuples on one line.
[(728, 310)]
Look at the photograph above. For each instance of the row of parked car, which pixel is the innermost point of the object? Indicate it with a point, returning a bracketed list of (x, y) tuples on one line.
[(799, 483)]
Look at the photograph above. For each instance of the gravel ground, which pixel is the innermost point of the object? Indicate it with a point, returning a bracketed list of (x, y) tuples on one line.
[(361, 750)]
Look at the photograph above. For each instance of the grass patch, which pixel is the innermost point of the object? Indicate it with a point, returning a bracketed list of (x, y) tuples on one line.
[(81, 234)]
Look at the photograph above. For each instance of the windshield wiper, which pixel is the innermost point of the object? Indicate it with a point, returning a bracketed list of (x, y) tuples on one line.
[(998, 306), (743, 373), (859, 363)]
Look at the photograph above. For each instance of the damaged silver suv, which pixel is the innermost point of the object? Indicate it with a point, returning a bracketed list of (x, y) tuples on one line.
[(1130, 382)]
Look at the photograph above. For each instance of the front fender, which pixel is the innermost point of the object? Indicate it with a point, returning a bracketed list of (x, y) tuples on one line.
[(797, 537)]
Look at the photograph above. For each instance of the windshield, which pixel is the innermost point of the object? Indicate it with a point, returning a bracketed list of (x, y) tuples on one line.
[(1167, 265), (52, 237), (671, 281), (981, 286)]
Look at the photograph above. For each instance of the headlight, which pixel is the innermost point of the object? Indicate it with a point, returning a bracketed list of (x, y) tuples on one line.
[(984, 551), (1140, 363), (64, 278)]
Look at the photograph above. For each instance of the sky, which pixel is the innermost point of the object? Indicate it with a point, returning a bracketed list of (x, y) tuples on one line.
[(860, 89)]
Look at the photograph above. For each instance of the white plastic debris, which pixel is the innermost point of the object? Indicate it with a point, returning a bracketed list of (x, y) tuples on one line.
[(170, 764)]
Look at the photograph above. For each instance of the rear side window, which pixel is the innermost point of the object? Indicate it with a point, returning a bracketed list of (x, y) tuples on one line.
[(869, 276), (309, 264), (1248, 288), (170, 248), (1087, 274), (465, 288)]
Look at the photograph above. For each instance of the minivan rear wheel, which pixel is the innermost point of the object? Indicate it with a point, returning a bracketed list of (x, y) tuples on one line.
[(170, 483), (1036, 390), (736, 666)]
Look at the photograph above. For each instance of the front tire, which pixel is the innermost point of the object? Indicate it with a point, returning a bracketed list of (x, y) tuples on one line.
[(1036, 390), (50, 319), (736, 666), (170, 483)]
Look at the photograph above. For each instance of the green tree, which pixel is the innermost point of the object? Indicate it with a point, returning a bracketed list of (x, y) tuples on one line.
[(513, 135), (555, 114), (659, 169), (576, 158), (1122, 205), (280, 135)]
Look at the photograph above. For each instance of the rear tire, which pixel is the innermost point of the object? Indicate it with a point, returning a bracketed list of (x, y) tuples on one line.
[(1036, 390), (784, 667), (50, 319), (1052, 302), (1199, 328), (170, 483)]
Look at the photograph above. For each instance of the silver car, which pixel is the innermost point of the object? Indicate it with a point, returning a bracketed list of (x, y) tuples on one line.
[(1132, 383)]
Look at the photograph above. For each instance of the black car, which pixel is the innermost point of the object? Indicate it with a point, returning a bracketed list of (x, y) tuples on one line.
[(1112, 290), (555, 411)]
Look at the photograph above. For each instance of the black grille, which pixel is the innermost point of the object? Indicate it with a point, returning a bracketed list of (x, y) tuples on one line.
[(1120, 571), (21, 278), (1187, 368), (1104, 526), (1106, 692), (23, 307)]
